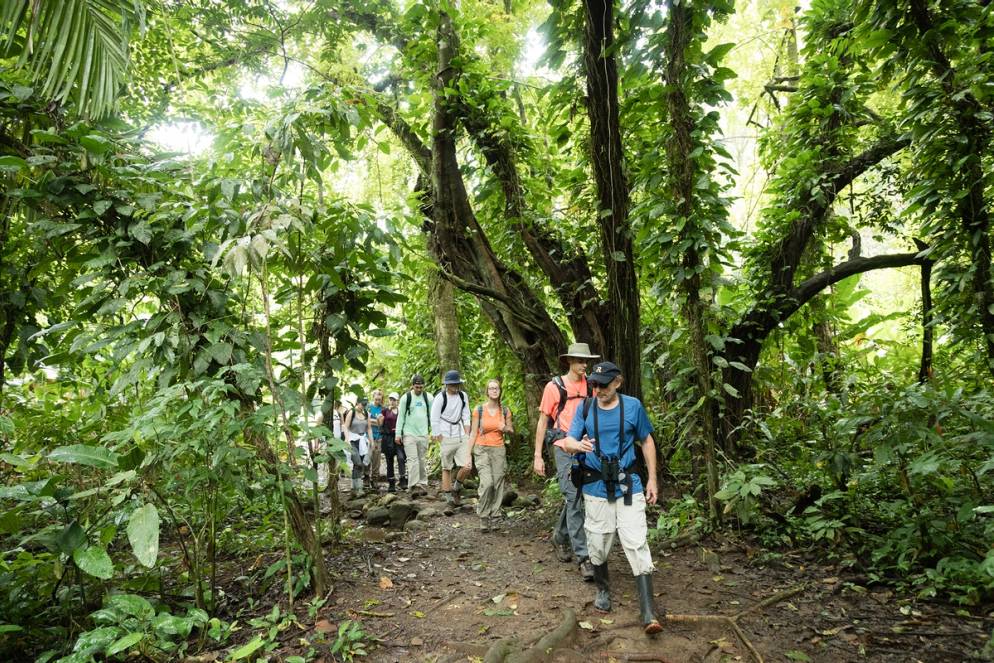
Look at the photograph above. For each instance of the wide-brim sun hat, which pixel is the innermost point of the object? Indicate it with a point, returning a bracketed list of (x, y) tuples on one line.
[(452, 377), (578, 351)]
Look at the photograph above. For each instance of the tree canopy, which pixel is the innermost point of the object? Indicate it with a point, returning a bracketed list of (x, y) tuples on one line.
[(222, 218)]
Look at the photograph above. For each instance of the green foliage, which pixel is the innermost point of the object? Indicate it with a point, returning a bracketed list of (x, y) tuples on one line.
[(74, 50), (904, 482), (128, 622), (350, 641), (742, 490)]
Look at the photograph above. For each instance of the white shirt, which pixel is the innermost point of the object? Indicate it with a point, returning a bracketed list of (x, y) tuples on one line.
[(452, 422)]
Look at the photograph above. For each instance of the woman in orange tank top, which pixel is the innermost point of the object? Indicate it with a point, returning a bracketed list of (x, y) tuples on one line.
[(491, 421)]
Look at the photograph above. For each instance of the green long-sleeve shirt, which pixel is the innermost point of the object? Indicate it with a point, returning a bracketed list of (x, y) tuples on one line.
[(412, 415)]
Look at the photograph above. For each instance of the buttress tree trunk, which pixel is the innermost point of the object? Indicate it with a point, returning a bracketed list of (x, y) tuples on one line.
[(463, 252)]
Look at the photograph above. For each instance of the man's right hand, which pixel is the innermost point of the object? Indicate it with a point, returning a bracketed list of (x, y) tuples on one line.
[(579, 446), (539, 466)]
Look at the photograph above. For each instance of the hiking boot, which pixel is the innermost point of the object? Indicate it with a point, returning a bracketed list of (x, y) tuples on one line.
[(391, 487), (647, 611), (403, 483), (602, 601), (485, 525), (456, 497), (564, 551), (586, 570), (447, 497)]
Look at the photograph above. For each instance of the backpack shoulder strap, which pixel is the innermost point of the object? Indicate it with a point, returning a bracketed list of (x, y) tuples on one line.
[(561, 388), (445, 399), (424, 397), (407, 404)]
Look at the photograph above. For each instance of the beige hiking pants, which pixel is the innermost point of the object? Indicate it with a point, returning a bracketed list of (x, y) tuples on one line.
[(491, 465), (603, 519), (416, 448)]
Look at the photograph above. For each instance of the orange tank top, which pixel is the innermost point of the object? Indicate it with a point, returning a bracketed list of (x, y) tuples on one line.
[(490, 434)]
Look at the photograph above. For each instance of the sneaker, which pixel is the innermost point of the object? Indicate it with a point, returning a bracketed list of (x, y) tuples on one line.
[(391, 488), (564, 552), (587, 569), (485, 525)]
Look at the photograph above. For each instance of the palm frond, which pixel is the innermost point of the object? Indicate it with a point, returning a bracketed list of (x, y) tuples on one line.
[(75, 49)]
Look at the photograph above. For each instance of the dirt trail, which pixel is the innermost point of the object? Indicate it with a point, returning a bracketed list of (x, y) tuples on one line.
[(450, 592)]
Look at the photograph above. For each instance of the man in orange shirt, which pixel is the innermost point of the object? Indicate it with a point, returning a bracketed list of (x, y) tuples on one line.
[(560, 399)]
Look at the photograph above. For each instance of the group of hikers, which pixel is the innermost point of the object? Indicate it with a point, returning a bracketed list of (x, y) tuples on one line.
[(601, 442)]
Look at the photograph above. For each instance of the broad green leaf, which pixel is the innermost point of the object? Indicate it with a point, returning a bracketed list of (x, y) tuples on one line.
[(84, 455), (90, 642), (70, 538), (10, 628), (12, 164), (125, 643), (96, 143), (248, 648), (95, 561), (16, 461), (167, 625), (143, 533), (131, 604)]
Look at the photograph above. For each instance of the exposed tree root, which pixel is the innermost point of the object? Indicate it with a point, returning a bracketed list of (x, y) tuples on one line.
[(510, 651), (733, 620)]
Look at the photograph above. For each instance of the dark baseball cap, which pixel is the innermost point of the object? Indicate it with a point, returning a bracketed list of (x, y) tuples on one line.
[(603, 373), (417, 379)]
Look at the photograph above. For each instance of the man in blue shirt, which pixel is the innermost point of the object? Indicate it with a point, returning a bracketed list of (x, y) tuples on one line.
[(603, 436)]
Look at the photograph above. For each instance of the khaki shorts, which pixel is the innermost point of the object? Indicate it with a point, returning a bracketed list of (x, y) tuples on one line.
[(454, 452)]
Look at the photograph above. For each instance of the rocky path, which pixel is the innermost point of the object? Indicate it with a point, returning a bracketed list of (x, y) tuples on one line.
[(429, 586)]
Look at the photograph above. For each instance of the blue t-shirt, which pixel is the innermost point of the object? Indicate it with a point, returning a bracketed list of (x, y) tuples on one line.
[(637, 428), (374, 412)]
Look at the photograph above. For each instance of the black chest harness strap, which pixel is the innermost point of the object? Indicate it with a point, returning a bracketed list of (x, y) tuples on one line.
[(611, 473)]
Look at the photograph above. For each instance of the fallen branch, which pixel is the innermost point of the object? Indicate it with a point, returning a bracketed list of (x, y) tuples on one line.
[(369, 613), (767, 602), (733, 620)]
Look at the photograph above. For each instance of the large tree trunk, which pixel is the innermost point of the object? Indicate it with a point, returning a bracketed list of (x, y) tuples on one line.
[(682, 177), (624, 341), (975, 217), (442, 298), (462, 250)]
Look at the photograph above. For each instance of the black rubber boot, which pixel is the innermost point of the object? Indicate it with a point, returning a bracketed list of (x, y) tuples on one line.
[(602, 601), (647, 609)]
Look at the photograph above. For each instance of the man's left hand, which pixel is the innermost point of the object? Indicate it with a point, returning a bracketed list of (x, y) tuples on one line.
[(651, 494)]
